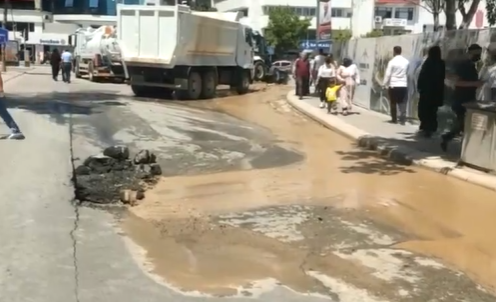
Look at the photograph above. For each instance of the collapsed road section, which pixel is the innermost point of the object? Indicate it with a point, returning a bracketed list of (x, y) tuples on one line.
[(112, 176)]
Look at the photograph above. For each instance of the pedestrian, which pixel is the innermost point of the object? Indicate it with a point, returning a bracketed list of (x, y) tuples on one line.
[(319, 61), (331, 94), (396, 81), (430, 86), (15, 132), (302, 75), (325, 73), (349, 76), (466, 81), (489, 72), (66, 66), (55, 62)]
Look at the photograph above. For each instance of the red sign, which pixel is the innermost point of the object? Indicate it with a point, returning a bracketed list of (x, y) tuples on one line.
[(324, 20), (479, 19)]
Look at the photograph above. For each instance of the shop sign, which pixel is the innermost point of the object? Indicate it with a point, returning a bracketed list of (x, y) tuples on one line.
[(53, 41)]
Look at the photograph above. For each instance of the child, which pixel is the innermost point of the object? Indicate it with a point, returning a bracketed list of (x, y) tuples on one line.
[(332, 95)]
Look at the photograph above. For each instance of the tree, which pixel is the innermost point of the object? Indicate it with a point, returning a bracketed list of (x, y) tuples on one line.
[(374, 34), (491, 12), (201, 5), (285, 29), (452, 6), (435, 7), (342, 34)]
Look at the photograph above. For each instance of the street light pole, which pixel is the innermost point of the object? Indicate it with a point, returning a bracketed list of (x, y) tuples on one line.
[(4, 25)]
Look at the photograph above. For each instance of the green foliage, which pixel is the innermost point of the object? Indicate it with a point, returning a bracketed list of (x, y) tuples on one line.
[(341, 34), (373, 34), (491, 12), (285, 29), (203, 8)]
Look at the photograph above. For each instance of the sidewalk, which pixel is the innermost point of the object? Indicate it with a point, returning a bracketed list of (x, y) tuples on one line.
[(15, 71), (371, 130)]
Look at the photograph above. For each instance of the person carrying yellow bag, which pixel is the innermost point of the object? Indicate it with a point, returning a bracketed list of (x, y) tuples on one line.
[(332, 95)]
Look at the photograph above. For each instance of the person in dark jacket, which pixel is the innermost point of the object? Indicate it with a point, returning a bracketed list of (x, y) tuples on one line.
[(302, 75), (55, 60), (430, 86), (466, 81)]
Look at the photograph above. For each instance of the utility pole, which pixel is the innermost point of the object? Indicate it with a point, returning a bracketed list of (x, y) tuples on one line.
[(4, 25)]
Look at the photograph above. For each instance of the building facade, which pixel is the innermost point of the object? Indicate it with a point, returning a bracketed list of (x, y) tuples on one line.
[(42, 25), (359, 16)]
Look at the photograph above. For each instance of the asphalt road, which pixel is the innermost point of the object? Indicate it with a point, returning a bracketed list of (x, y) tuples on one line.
[(258, 203), (53, 251)]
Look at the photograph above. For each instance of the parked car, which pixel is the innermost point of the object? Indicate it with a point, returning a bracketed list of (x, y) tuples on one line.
[(283, 65)]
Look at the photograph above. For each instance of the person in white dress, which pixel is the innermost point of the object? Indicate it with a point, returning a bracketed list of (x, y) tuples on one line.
[(348, 74)]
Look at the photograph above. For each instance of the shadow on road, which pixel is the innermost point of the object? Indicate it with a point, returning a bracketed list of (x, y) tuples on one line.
[(369, 162), (58, 104)]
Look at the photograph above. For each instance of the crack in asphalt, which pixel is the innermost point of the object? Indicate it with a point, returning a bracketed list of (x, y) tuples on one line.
[(75, 204)]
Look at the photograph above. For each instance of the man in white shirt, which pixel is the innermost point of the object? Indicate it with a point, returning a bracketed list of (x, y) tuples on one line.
[(396, 80), (66, 66)]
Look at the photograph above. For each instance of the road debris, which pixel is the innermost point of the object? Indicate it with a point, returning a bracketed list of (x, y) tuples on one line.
[(112, 177)]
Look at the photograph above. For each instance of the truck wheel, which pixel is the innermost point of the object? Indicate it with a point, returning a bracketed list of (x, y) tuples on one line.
[(209, 85), (243, 85), (165, 93), (194, 87), (259, 71), (91, 76), (139, 91), (76, 70)]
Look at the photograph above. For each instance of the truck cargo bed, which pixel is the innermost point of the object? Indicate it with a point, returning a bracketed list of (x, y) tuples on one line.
[(173, 35)]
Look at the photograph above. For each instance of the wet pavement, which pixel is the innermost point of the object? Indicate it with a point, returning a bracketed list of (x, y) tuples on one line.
[(256, 201), (330, 220)]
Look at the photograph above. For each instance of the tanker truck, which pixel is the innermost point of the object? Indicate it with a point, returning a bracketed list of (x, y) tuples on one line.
[(97, 54), (169, 49)]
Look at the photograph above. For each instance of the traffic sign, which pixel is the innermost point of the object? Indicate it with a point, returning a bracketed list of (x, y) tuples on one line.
[(4, 36)]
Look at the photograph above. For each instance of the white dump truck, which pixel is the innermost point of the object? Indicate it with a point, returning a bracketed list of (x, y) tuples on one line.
[(97, 54), (171, 48)]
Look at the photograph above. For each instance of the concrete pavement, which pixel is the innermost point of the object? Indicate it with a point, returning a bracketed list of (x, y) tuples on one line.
[(371, 130)]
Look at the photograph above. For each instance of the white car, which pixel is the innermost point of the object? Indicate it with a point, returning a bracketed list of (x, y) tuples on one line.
[(283, 65)]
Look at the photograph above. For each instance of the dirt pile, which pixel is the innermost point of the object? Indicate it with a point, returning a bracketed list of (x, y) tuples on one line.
[(113, 177)]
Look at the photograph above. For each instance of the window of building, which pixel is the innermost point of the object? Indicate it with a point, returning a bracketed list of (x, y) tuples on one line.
[(93, 3), (384, 12), (337, 12), (298, 10), (245, 12), (349, 14), (404, 13), (68, 3)]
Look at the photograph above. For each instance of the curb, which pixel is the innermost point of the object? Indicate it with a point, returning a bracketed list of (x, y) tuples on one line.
[(400, 154)]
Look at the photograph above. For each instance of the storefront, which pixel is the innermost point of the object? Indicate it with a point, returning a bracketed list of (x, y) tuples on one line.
[(41, 43)]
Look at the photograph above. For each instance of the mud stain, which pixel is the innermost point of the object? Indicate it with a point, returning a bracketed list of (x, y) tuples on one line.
[(342, 223)]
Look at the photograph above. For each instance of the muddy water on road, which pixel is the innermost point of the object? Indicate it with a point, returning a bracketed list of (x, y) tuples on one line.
[(341, 220)]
